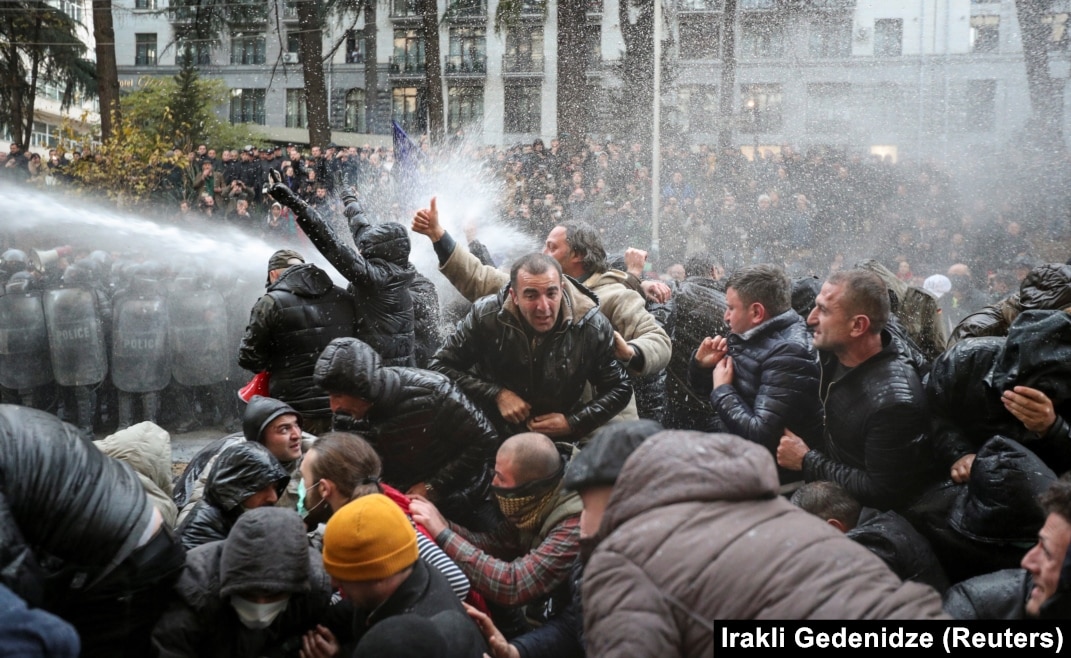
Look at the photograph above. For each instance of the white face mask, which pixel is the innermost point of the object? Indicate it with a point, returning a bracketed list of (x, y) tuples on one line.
[(257, 615)]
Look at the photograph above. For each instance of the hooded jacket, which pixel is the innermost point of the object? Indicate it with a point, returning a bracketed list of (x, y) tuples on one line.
[(698, 312), (491, 351), (377, 266), (423, 426), (289, 326), (1046, 287), (266, 552), (694, 531), (966, 383), (240, 471), (61, 496), (147, 448)]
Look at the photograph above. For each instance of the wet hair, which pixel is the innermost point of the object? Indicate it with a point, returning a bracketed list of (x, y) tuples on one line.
[(1057, 499), (700, 265), (349, 461), (585, 240), (766, 284), (828, 500), (533, 263), (864, 293), (533, 456)]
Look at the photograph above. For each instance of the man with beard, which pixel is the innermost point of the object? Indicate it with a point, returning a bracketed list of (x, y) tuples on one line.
[(531, 554)]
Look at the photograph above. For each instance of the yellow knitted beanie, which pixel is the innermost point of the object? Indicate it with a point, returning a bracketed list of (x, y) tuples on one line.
[(369, 539)]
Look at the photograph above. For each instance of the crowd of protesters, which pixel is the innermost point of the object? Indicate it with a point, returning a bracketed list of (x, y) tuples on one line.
[(850, 402)]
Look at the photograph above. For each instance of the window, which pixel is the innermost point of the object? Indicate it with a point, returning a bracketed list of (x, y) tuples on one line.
[(408, 52), (760, 108), (761, 40), (522, 104), (290, 9), (699, 36), (829, 107), (293, 48), (468, 50), (145, 49), (247, 106), (356, 118), (889, 106), (888, 37), (758, 4), (1058, 34), (699, 107), (985, 34), (830, 39), (296, 114), (247, 11), (466, 8), (247, 48), (354, 47), (524, 50), (144, 4), (593, 43), (405, 8), (45, 135), (700, 5), (408, 108), (464, 107), (200, 51), (981, 105), (72, 8)]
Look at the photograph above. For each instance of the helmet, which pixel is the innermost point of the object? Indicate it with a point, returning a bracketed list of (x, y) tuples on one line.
[(13, 260)]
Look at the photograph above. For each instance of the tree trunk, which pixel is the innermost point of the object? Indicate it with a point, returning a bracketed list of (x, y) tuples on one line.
[(371, 71), (637, 70), (310, 24), (727, 92), (433, 76), (107, 74), (1045, 129), (31, 95), (574, 98)]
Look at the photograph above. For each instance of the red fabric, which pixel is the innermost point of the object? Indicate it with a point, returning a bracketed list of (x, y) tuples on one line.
[(258, 385)]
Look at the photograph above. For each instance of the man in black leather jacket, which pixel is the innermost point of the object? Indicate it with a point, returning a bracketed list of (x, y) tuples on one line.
[(525, 354), (876, 423), (378, 270), (78, 535), (301, 312), (432, 439)]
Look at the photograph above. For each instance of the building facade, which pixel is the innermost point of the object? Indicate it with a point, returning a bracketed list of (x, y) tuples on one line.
[(927, 78)]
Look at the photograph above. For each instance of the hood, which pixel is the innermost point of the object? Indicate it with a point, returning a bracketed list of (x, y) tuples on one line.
[(999, 504), (146, 447), (1046, 287), (260, 412), (388, 241), (351, 366), (804, 294), (242, 470), (266, 551), (305, 280), (678, 466), (1037, 353), (897, 288), (601, 460)]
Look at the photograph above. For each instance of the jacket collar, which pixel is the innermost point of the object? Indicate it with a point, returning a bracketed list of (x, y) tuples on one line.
[(578, 304), (408, 594)]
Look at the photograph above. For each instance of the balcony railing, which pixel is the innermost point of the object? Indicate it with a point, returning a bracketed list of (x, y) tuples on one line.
[(700, 5), (406, 66), (466, 65), (456, 9), (405, 8), (522, 63)]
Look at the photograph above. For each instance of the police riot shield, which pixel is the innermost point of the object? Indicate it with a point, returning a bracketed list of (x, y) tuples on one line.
[(24, 359), (75, 337), (199, 347), (141, 360)]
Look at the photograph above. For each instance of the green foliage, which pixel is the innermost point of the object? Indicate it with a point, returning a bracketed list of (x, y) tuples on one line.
[(180, 112)]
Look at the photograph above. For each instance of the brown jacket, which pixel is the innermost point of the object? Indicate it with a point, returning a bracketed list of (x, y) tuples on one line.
[(695, 532)]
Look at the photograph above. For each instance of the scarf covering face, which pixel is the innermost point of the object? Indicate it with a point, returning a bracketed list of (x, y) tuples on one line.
[(525, 505)]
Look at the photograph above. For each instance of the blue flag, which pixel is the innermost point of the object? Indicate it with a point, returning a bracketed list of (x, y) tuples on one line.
[(406, 152)]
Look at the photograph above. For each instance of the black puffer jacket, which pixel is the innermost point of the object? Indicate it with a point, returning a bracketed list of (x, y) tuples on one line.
[(491, 351), (1046, 287), (266, 552), (427, 319), (422, 425), (61, 496), (907, 552), (877, 443), (698, 312), (241, 470), (378, 270), (775, 386), (966, 383), (289, 326)]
